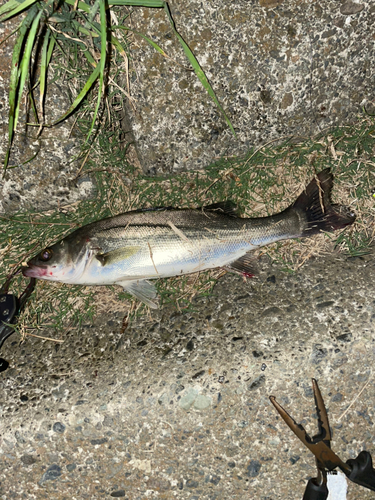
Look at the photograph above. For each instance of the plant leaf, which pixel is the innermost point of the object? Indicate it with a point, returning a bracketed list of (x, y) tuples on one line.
[(81, 5), (89, 57), (26, 62), (14, 78), (19, 7), (94, 75), (8, 6), (139, 3), (148, 40), (47, 49), (103, 41), (83, 30)]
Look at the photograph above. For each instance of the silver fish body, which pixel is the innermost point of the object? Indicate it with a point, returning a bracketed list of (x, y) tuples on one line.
[(131, 248)]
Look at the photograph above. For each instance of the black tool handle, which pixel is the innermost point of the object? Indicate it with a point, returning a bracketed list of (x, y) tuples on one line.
[(9, 306), (362, 471), (315, 491)]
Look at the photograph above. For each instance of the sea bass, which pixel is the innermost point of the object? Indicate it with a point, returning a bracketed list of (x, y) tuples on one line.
[(134, 247)]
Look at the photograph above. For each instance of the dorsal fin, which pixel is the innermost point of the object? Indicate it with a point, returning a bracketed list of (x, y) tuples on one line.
[(228, 207)]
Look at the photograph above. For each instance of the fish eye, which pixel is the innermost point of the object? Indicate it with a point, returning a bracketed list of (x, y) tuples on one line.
[(46, 254)]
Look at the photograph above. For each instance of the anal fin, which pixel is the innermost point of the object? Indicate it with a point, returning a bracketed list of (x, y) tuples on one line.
[(245, 265), (143, 290)]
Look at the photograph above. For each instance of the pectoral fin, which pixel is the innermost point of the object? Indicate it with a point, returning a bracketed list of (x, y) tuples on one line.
[(143, 290), (117, 255)]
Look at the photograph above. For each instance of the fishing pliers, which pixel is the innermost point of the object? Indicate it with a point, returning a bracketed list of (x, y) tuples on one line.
[(10, 308), (358, 470)]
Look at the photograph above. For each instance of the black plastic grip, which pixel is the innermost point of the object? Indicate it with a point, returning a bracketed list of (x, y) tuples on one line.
[(315, 491), (362, 471), (9, 305)]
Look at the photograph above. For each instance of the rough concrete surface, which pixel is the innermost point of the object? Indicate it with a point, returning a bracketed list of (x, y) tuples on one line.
[(177, 406), (278, 68), (48, 180)]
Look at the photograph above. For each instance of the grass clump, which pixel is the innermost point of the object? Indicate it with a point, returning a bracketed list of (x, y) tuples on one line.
[(82, 33)]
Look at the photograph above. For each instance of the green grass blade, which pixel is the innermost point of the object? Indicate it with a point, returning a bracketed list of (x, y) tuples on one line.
[(25, 63), (83, 30), (93, 10), (26, 161), (103, 53), (81, 5), (32, 104), (89, 57), (116, 43), (14, 79), (94, 75), (148, 40), (50, 48), (18, 8), (197, 68), (139, 3), (12, 4), (47, 42)]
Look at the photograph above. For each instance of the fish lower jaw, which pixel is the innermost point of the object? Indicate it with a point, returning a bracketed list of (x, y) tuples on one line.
[(44, 274), (35, 272)]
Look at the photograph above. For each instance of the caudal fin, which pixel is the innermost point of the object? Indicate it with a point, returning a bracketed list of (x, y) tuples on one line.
[(315, 202)]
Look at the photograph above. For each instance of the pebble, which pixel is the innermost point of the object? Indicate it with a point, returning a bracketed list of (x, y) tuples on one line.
[(202, 402), (253, 468), (52, 473), (350, 8), (118, 493), (190, 483), (58, 427), (257, 382), (98, 441), (337, 397), (28, 459), (188, 399)]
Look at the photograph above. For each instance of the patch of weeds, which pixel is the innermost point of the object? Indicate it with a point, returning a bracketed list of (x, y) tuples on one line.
[(87, 38), (356, 244)]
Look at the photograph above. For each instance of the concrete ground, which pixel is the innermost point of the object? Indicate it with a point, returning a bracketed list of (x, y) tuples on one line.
[(177, 407), (278, 68)]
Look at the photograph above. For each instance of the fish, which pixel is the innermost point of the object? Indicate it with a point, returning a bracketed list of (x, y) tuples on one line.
[(135, 247)]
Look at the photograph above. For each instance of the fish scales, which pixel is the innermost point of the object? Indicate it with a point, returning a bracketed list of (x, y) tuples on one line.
[(210, 240)]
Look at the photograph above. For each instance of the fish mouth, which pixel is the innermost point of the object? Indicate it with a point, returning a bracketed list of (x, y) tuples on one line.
[(32, 271)]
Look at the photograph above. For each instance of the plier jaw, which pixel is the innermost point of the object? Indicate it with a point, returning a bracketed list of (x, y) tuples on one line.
[(359, 470), (10, 308)]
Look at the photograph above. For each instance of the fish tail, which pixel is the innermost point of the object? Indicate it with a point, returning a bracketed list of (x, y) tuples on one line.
[(315, 203)]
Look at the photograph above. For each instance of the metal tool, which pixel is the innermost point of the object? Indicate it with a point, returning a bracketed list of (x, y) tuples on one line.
[(10, 308), (358, 470)]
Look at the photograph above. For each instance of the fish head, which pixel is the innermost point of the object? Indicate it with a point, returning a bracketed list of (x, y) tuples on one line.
[(59, 262)]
